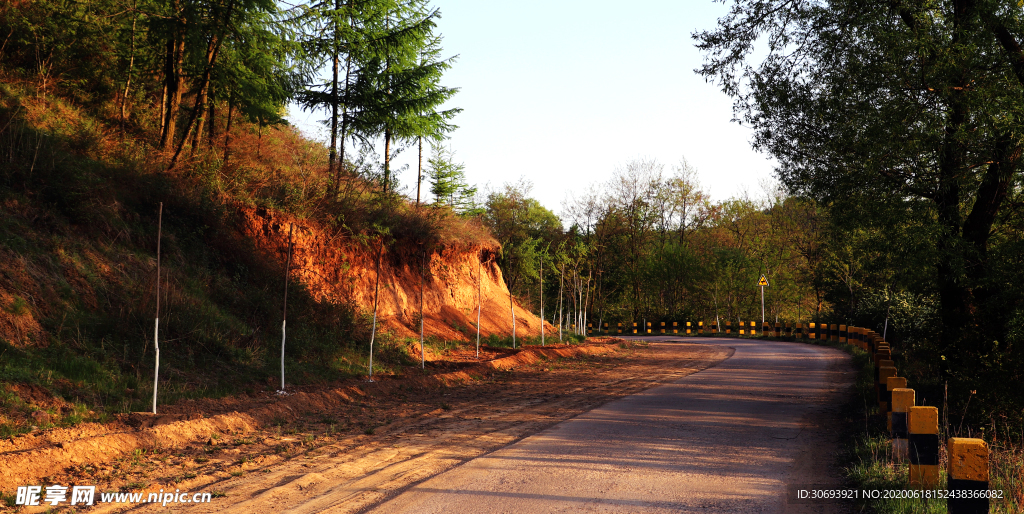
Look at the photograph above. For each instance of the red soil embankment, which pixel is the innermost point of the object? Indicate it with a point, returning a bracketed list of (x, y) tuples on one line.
[(340, 269)]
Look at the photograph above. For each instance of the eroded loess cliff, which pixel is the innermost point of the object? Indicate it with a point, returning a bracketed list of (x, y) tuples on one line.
[(336, 268)]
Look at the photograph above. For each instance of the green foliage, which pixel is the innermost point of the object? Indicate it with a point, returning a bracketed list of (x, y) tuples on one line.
[(524, 228), (385, 74), (904, 120), (448, 182)]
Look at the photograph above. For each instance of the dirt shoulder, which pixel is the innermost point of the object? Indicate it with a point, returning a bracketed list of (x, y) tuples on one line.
[(362, 443)]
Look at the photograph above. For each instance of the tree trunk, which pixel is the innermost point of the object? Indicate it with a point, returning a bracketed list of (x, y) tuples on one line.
[(419, 172), (213, 48), (196, 119), (212, 122), (513, 313), (227, 130), (131, 65), (561, 319), (174, 82), (387, 162), (333, 151)]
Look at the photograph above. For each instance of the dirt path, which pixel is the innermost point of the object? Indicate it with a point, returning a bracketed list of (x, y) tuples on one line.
[(371, 447)]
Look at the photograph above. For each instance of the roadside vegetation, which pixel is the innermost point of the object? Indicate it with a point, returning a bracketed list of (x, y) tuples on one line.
[(108, 110), (899, 212)]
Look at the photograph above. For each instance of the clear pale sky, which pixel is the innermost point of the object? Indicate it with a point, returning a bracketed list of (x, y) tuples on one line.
[(562, 92)]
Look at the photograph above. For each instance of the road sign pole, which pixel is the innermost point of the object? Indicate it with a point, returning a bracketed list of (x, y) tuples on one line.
[(762, 282), (762, 307)]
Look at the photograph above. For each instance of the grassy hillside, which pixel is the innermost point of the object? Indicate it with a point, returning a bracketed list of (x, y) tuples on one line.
[(79, 198)]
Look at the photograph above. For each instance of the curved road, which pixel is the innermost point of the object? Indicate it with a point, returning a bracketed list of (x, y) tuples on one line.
[(727, 439)]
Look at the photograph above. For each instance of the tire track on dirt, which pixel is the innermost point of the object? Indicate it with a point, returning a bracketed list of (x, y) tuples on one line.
[(360, 471)]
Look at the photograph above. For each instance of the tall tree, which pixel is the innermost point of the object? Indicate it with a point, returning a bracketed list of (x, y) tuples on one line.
[(915, 105)]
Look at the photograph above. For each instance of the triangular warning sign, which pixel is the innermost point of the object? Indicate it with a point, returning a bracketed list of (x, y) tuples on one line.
[(763, 282)]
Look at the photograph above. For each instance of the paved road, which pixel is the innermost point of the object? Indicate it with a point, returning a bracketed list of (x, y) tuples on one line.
[(727, 439)]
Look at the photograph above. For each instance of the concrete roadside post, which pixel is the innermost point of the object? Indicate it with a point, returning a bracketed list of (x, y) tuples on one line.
[(880, 355), (967, 476), (662, 326), (883, 374), (688, 327), (675, 327), (648, 328), (844, 335), (892, 383), (753, 329), (902, 400), (728, 327), (833, 332), (923, 443), (880, 381), (634, 327), (778, 329)]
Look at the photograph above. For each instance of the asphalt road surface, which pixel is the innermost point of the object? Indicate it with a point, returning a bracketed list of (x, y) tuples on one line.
[(726, 439)]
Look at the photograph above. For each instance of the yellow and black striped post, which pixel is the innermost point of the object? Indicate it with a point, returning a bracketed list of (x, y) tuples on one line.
[(883, 393), (728, 327), (741, 326), (662, 327), (590, 329), (753, 329), (688, 325), (620, 328), (812, 331), (923, 443), (891, 384), (605, 329), (880, 355), (880, 381), (648, 328), (902, 400), (634, 327), (844, 335), (675, 327), (967, 476)]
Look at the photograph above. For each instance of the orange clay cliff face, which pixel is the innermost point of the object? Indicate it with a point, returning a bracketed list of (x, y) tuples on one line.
[(341, 269)]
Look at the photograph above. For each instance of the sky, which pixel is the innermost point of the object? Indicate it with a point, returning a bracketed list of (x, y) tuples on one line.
[(561, 93)]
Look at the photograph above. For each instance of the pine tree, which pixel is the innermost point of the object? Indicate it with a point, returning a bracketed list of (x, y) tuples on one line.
[(448, 181)]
